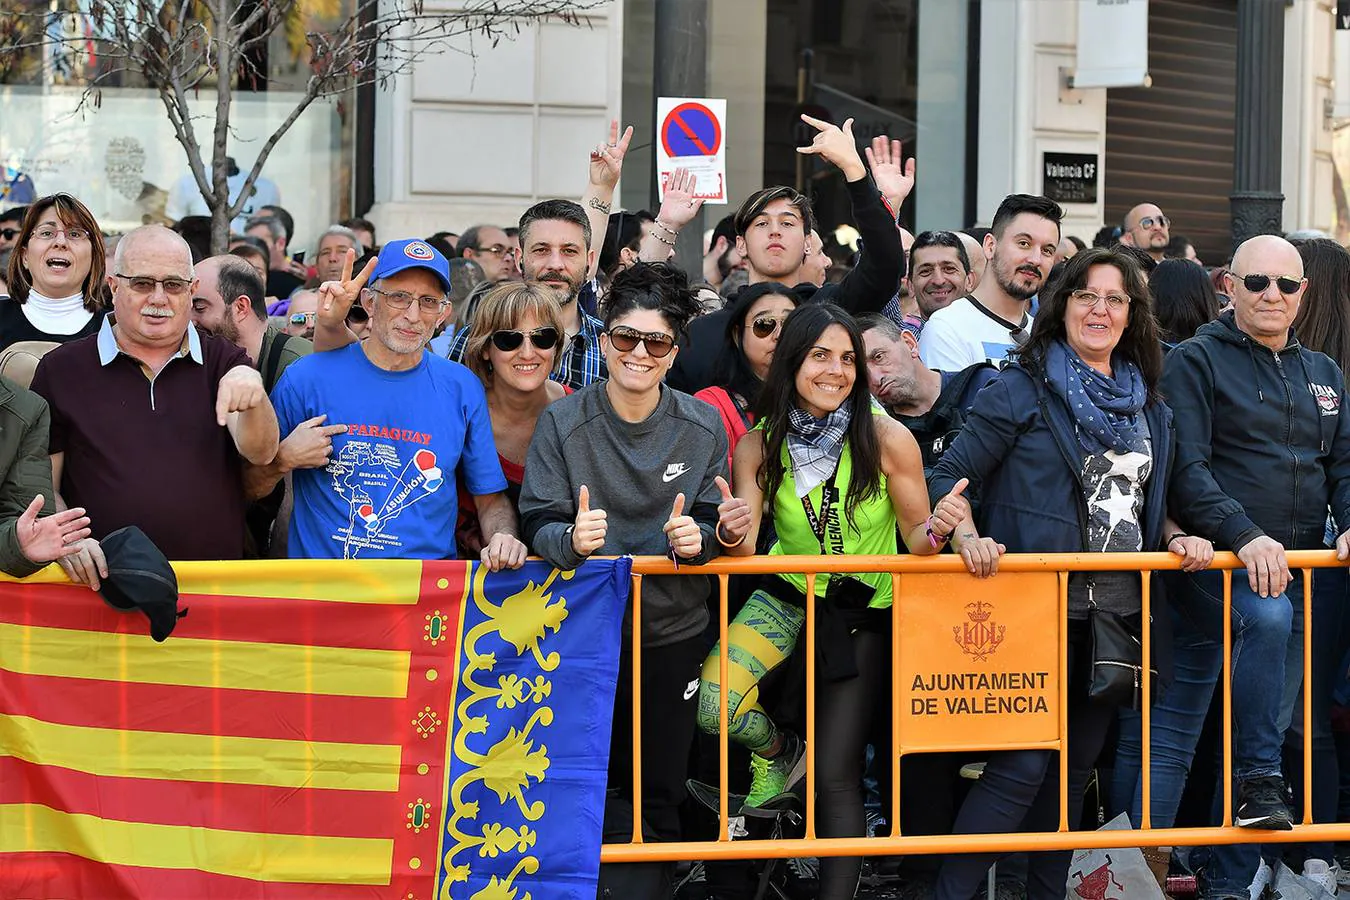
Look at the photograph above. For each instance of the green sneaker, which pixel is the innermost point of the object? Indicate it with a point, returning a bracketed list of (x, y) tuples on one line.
[(771, 779)]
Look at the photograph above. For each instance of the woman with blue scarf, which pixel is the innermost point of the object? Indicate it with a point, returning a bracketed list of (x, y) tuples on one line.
[(1068, 451)]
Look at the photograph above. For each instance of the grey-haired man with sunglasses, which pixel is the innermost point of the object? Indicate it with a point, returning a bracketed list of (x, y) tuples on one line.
[(1146, 228), (1262, 452), (385, 487)]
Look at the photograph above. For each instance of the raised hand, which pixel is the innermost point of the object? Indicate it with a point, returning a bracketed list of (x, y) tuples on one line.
[(679, 206), (894, 176), (607, 159), (837, 146), (310, 445), (683, 532), (733, 516), (951, 510), (589, 527), (336, 297), (58, 535), (238, 390)]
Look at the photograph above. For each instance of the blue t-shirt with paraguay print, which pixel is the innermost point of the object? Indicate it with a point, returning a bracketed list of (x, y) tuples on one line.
[(389, 488)]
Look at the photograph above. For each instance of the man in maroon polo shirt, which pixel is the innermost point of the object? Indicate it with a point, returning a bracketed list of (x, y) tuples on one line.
[(150, 417)]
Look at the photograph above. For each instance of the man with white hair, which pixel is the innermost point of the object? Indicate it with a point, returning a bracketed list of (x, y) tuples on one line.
[(152, 419)]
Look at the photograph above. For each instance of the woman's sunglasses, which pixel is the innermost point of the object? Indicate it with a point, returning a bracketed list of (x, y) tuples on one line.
[(543, 339), (1258, 283), (766, 326), (625, 339)]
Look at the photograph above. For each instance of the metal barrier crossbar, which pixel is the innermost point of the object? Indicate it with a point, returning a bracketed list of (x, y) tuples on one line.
[(897, 843)]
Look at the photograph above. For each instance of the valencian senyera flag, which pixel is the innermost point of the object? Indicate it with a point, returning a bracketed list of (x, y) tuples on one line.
[(399, 729)]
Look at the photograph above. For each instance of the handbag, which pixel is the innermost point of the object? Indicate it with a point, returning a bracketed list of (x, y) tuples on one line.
[(1117, 661)]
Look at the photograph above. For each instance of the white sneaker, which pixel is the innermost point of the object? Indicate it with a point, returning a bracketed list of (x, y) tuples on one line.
[(1326, 876), (1264, 875)]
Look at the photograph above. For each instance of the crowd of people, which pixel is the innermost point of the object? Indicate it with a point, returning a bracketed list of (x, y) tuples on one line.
[(558, 388)]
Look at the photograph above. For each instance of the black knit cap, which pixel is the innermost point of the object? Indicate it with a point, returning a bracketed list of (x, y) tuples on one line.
[(140, 577)]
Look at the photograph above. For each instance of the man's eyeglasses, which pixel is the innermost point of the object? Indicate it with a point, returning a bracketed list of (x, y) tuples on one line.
[(402, 300), (766, 326), (1090, 299), (144, 285), (1154, 222), (9, 234), (303, 318), (497, 250), (545, 338), (626, 339), (1257, 284)]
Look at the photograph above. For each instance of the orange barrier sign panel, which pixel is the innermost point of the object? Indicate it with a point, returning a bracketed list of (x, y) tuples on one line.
[(979, 660)]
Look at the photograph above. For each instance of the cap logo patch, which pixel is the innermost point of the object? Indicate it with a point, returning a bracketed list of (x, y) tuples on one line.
[(417, 250)]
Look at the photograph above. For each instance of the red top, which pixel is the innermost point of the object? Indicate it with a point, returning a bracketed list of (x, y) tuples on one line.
[(732, 420)]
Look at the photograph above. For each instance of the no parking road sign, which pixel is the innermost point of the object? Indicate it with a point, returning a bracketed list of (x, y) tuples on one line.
[(692, 134)]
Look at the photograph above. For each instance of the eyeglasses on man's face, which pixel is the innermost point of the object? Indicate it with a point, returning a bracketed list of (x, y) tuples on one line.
[(144, 285), (401, 300)]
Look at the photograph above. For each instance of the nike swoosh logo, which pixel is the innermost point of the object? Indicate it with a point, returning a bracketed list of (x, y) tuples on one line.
[(673, 471), (691, 690)]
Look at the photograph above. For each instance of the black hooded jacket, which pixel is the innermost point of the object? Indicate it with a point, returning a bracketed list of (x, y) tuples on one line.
[(1262, 445)]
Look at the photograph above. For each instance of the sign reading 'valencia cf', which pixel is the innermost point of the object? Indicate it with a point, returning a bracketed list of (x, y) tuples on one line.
[(979, 660)]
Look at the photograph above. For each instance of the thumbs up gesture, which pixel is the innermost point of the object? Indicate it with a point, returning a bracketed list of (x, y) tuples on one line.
[(683, 532), (589, 528), (951, 510), (733, 516)]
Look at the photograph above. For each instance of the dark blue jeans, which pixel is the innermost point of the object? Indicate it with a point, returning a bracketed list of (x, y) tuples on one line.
[(1266, 633), (1329, 642), (1019, 791)]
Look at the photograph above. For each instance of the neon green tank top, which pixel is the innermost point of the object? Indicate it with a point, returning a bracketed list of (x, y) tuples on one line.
[(875, 534)]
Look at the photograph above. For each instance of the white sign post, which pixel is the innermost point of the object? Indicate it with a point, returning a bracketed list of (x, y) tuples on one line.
[(691, 132)]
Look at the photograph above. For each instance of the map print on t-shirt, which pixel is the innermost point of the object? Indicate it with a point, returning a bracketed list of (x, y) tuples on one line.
[(378, 486)]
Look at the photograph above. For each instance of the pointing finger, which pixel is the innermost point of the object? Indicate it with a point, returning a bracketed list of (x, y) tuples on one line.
[(816, 123), (315, 422), (332, 430), (678, 509)]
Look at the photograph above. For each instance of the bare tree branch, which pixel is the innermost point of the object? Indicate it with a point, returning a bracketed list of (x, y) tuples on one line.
[(175, 46)]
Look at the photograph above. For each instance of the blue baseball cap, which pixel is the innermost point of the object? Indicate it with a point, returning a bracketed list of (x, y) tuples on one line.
[(396, 256)]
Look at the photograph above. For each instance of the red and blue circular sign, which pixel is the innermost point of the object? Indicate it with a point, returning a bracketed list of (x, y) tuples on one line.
[(691, 129)]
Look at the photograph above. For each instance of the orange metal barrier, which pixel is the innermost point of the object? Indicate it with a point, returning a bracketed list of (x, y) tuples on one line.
[(896, 842)]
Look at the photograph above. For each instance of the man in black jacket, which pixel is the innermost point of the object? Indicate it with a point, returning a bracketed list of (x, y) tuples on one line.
[(773, 227), (1263, 449)]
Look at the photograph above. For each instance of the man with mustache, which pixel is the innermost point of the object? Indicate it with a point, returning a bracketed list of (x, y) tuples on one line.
[(150, 417), (384, 486), (555, 240), (994, 318)]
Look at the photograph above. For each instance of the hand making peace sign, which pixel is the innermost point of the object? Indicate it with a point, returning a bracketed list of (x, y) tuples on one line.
[(336, 297)]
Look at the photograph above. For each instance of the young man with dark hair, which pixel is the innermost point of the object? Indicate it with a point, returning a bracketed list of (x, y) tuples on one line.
[(365, 232), (554, 238), (10, 222), (283, 275), (995, 317), (772, 235)]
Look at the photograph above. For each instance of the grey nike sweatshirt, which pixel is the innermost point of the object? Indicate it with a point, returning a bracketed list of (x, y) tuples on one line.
[(633, 472)]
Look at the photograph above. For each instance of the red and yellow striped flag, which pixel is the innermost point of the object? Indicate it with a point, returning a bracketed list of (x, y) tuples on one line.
[(288, 741)]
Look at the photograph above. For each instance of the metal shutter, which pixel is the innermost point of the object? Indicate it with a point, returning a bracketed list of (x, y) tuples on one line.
[(1172, 143)]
